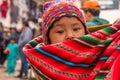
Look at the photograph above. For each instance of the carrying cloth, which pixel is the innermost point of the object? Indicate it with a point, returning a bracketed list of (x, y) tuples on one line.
[(85, 58)]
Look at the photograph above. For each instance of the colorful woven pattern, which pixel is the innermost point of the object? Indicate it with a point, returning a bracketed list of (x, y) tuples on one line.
[(89, 57), (56, 11)]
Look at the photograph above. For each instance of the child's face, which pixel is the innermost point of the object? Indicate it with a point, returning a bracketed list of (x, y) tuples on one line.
[(12, 41), (66, 28), (88, 16), (13, 31)]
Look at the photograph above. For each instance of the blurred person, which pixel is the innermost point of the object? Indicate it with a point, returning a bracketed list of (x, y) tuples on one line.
[(4, 8), (14, 12), (60, 54), (13, 33), (23, 9), (39, 11), (92, 10), (25, 37), (32, 13), (38, 30), (5, 42), (2, 45), (12, 52)]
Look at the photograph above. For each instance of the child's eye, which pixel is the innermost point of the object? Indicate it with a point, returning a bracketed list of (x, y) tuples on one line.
[(60, 31), (76, 29)]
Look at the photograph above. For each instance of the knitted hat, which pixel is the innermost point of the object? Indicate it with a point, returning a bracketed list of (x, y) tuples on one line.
[(53, 11), (92, 4)]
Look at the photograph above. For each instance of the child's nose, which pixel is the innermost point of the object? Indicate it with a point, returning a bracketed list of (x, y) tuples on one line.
[(70, 36)]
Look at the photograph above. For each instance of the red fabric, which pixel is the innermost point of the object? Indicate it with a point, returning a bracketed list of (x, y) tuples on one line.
[(115, 74), (54, 61)]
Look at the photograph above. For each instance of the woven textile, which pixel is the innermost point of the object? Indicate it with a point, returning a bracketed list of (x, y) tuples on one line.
[(88, 57), (115, 74)]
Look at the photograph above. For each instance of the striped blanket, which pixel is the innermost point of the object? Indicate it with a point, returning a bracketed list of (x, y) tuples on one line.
[(89, 57)]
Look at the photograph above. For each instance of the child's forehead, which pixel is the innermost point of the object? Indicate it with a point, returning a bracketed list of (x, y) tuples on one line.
[(67, 20)]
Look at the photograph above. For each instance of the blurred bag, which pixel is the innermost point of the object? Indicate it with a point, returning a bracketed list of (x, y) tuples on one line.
[(7, 51)]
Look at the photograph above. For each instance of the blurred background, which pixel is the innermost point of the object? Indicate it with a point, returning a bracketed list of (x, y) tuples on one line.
[(12, 14), (110, 9)]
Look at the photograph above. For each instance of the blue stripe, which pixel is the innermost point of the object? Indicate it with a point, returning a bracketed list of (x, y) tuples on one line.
[(63, 60), (104, 58), (118, 48)]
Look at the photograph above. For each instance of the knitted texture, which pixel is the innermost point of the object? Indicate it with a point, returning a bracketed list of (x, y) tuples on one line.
[(53, 11), (89, 57)]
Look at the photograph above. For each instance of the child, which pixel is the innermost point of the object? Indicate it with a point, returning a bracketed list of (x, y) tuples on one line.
[(11, 57), (71, 57), (60, 22)]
